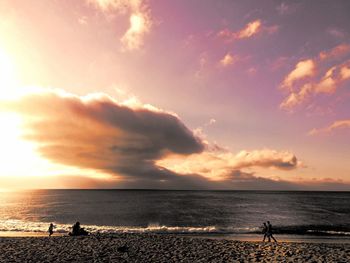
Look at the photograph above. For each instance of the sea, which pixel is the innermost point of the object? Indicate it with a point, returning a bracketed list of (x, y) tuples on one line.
[(238, 215)]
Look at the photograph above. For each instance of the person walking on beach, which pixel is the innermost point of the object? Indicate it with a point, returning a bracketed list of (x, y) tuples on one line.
[(51, 229), (264, 231), (269, 232)]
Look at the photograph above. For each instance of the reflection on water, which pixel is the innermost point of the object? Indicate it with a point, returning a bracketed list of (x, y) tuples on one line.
[(176, 211)]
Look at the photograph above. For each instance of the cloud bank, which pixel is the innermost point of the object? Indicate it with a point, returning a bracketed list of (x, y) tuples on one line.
[(140, 145), (99, 133)]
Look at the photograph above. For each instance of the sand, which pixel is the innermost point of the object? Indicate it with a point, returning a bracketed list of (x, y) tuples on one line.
[(163, 248)]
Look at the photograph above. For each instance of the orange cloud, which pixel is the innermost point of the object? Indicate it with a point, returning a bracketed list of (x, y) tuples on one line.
[(345, 72), (303, 69), (340, 124), (251, 29), (227, 60), (335, 52), (218, 164)]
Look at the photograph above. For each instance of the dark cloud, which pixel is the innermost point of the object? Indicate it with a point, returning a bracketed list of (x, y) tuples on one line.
[(101, 134)]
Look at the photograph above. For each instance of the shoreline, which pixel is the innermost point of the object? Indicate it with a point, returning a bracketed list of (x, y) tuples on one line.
[(284, 238), (164, 248)]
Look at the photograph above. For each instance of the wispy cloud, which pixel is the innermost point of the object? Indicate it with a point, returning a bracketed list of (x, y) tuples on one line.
[(336, 32), (140, 20), (251, 29), (227, 60), (340, 124), (286, 9), (335, 52)]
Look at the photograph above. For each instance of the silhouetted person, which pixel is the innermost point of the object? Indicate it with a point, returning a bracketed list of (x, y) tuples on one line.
[(78, 231), (269, 232), (51, 229), (264, 231)]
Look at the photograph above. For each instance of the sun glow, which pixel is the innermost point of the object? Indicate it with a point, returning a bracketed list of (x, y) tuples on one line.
[(8, 78), (20, 158)]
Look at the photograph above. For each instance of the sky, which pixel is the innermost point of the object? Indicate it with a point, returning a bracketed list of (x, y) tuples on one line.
[(175, 94)]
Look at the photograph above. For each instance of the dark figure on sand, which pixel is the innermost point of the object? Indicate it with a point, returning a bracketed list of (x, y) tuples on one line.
[(264, 231), (51, 229), (269, 232), (78, 231), (124, 249)]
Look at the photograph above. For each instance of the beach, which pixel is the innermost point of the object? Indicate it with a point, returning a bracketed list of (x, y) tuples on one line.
[(164, 248)]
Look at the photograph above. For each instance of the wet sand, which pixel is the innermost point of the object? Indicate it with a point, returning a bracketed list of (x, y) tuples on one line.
[(164, 248)]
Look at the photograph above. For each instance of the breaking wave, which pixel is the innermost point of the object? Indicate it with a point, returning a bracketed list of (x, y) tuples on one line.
[(42, 227)]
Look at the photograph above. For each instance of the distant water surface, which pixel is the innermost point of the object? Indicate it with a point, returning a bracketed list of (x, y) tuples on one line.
[(195, 212)]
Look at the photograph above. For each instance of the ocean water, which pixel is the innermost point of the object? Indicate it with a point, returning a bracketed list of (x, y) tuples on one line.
[(186, 212)]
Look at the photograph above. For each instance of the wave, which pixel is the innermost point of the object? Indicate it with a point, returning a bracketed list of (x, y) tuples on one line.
[(42, 227)]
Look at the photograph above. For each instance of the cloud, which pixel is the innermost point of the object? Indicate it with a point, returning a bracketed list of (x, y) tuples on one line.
[(251, 29), (340, 124), (304, 81), (227, 60), (99, 133), (210, 122), (284, 160), (139, 26), (140, 20), (303, 69), (218, 164), (336, 32), (345, 72), (328, 84), (202, 65), (335, 52)]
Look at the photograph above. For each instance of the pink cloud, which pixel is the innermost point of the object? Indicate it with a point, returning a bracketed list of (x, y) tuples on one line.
[(251, 29), (335, 52), (340, 124), (328, 84), (227, 60)]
